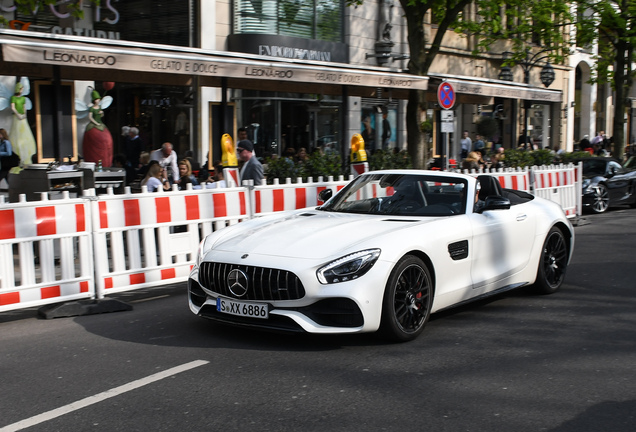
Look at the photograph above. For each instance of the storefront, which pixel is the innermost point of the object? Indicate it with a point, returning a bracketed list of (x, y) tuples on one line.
[(158, 88), (510, 105)]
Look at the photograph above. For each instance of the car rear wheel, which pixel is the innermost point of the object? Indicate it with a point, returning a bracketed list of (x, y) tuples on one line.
[(408, 298), (601, 199), (553, 263)]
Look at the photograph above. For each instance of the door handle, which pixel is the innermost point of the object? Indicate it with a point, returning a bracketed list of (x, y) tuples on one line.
[(521, 217)]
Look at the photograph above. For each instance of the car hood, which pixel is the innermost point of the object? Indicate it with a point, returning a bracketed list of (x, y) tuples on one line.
[(311, 234)]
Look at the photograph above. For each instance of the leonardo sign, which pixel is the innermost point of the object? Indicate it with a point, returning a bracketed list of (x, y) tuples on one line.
[(56, 52)]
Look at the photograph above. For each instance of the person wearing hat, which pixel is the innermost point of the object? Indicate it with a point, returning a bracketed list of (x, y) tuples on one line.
[(252, 168), (98, 142)]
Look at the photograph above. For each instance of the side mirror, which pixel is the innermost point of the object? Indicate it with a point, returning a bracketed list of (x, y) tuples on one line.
[(325, 195), (494, 202)]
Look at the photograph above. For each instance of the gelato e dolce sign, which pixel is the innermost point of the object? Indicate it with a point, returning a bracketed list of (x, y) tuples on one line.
[(160, 61)]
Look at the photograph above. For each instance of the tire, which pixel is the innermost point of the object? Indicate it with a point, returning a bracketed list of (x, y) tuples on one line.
[(601, 199), (407, 302), (553, 263)]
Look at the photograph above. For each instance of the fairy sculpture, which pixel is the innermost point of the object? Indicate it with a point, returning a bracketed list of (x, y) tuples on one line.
[(98, 142), (20, 134)]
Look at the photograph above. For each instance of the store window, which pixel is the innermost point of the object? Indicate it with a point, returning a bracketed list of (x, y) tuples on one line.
[(284, 122), (167, 22), (311, 19), (378, 126)]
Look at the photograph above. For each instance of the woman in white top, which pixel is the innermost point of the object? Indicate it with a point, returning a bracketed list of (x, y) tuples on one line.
[(155, 179)]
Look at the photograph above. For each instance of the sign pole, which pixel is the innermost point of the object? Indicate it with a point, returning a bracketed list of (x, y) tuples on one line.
[(446, 98)]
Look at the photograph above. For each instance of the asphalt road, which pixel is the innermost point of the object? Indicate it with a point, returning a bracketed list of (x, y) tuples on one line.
[(519, 362)]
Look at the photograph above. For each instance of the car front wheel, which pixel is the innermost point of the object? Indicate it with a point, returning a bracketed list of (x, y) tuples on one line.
[(408, 298), (553, 263), (601, 199)]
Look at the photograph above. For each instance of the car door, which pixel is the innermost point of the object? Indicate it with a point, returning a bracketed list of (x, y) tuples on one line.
[(618, 182), (502, 242)]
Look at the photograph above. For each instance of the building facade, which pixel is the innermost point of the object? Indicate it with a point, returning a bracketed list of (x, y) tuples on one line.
[(294, 74)]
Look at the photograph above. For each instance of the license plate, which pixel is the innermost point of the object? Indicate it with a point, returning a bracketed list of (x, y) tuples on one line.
[(242, 308)]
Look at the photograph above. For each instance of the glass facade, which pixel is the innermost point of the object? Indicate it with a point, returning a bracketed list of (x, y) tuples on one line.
[(161, 113), (311, 19), (284, 122)]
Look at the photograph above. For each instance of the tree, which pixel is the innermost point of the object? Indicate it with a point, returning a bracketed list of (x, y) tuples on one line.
[(519, 21), (612, 25), (74, 7)]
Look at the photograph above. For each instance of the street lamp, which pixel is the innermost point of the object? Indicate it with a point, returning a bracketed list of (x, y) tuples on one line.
[(546, 75)]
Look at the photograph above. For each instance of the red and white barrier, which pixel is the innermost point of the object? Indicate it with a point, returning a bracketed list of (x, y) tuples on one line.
[(561, 184), (150, 239), (509, 178), (274, 198), (45, 253), (68, 249)]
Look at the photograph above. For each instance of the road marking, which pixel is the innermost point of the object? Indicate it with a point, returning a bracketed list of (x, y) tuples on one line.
[(50, 415)]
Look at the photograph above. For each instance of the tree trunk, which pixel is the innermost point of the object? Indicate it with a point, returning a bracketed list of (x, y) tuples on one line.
[(621, 89), (416, 102)]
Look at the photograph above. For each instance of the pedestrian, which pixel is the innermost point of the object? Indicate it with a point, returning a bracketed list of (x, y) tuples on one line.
[(525, 141), (466, 143), (189, 155), (134, 147), (185, 175), (119, 161), (368, 134), (241, 134), (155, 179), (8, 159), (472, 161), (167, 158), (479, 145), (386, 130), (252, 168), (217, 180)]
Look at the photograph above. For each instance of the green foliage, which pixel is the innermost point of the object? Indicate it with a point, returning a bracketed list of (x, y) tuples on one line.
[(323, 165), (518, 158), (542, 157), (570, 157), (382, 159), (315, 166), (487, 127), (426, 126), (280, 168), (31, 7)]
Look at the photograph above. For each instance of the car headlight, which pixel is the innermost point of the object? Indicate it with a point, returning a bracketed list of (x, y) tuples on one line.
[(348, 267), (204, 248)]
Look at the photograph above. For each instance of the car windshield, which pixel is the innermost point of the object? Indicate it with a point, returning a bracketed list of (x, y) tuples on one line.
[(594, 166), (401, 195)]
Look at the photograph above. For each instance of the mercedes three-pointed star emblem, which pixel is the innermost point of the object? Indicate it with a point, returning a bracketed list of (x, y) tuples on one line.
[(237, 282)]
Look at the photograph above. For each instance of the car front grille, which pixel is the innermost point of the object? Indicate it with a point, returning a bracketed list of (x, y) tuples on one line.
[(263, 283)]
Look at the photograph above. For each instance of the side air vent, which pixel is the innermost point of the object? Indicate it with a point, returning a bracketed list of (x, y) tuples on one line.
[(458, 250)]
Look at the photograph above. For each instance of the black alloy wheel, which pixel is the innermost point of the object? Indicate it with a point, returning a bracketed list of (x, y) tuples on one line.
[(553, 263), (408, 298), (601, 199)]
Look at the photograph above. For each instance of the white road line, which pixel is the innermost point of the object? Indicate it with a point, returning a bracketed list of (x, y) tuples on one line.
[(40, 418)]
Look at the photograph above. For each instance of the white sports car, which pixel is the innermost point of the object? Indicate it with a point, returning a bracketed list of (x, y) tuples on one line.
[(384, 253)]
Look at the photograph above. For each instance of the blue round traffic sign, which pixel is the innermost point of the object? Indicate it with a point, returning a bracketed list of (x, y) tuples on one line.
[(446, 95)]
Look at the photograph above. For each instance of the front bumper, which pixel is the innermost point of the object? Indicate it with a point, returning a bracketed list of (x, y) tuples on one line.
[(347, 307)]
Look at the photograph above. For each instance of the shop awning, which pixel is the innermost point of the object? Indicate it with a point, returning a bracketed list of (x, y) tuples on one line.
[(108, 55), (490, 88)]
